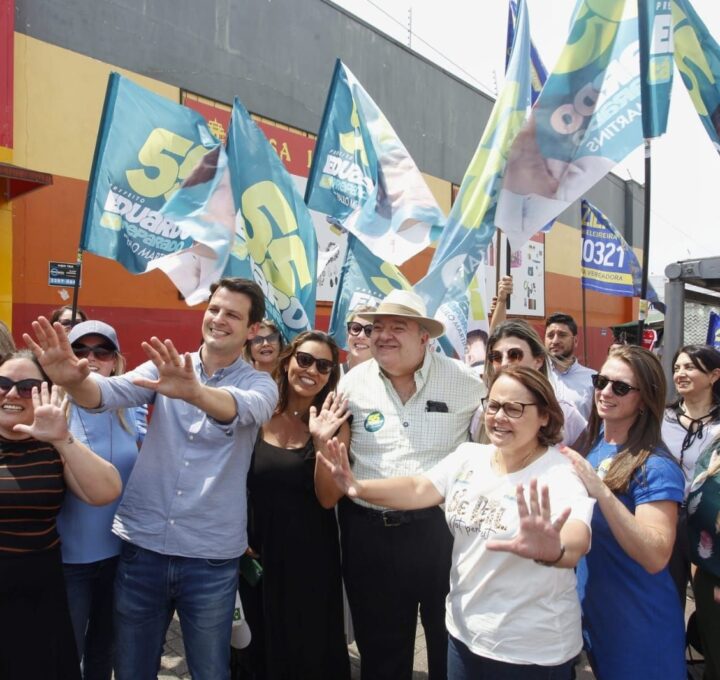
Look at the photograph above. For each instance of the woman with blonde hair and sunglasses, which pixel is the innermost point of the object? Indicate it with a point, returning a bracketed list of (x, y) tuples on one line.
[(300, 617), (632, 619), (358, 330), (89, 548), (264, 349)]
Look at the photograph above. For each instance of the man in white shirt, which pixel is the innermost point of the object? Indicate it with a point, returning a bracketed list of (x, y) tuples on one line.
[(411, 407), (561, 342)]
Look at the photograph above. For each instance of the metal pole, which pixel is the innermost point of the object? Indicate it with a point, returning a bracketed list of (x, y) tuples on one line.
[(674, 333), (646, 247)]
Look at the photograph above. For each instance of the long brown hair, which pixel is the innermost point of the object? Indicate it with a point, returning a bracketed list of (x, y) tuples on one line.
[(644, 435), (281, 370)]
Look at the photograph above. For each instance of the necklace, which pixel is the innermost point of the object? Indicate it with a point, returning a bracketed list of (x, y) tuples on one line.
[(523, 463)]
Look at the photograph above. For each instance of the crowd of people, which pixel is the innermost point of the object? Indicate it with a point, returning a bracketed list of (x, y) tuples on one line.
[(524, 506)]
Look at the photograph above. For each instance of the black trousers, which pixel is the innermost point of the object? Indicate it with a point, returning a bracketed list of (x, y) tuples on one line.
[(393, 565)]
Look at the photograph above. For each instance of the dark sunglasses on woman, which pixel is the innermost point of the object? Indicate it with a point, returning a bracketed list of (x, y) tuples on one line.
[(23, 387), (305, 360), (271, 339), (101, 352), (354, 328), (619, 388), (514, 354)]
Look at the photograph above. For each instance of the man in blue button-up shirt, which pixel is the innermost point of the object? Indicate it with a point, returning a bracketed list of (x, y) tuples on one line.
[(183, 514)]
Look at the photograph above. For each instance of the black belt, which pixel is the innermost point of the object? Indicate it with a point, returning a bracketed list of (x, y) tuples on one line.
[(391, 518)]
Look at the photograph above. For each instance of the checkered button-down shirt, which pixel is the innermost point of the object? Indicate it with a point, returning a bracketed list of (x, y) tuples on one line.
[(391, 439)]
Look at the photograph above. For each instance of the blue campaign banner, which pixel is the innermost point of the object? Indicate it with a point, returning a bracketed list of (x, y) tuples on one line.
[(274, 227), (713, 334), (363, 177), (656, 64), (365, 279), (538, 72), (587, 119), (606, 257), (147, 146), (470, 226), (697, 56)]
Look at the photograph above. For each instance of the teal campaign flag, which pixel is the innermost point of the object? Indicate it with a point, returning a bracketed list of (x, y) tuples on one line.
[(697, 56), (609, 264), (656, 64), (203, 206), (470, 226), (147, 147), (363, 177), (365, 279), (275, 227), (587, 119), (538, 72)]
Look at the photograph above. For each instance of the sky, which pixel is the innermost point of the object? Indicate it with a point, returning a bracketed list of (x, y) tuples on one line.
[(467, 37)]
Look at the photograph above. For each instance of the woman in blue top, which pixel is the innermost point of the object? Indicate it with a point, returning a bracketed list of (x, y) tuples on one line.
[(89, 548), (632, 619)]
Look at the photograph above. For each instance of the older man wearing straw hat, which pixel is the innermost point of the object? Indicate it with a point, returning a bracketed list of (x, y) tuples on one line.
[(410, 407)]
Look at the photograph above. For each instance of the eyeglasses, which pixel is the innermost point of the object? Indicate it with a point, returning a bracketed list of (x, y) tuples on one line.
[(101, 352), (68, 323), (355, 328), (619, 388), (512, 409), (514, 354), (23, 387), (305, 360), (260, 340)]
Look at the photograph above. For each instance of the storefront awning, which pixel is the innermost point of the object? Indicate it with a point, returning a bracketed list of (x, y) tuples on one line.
[(15, 181)]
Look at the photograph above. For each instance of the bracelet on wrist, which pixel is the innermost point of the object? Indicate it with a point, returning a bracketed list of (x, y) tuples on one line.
[(554, 562)]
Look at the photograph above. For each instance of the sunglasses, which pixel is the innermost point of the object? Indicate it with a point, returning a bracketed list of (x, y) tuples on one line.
[(23, 387), (514, 354), (69, 323), (305, 360), (512, 409), (619, 388), (101, 352), (271, 339), (355, 328)]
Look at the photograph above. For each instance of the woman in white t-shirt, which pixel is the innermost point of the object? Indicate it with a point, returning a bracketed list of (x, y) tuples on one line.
[(508, 614)]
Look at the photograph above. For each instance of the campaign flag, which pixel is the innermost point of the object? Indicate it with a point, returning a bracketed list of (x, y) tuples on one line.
[(587, 119), (147, 147), (202, 207), (365, 279), (470, 226), (697, 56), (609, 264), (713, 334), (274, 226), (656, 64), (538, 72), (363, 177)]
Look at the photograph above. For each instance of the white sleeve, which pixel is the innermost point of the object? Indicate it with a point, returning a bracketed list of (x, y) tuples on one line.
[(444, 473), (568, 491), (575, 424)]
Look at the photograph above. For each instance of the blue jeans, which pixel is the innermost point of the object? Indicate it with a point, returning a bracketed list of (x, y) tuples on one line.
[(90, 599), (149, 587), (465, 665)]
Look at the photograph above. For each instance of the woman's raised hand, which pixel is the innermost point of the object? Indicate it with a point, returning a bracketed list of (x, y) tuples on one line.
[(538, 537), (592, 481), (335, 459), (50, 424), (324, 425), (54, 353)]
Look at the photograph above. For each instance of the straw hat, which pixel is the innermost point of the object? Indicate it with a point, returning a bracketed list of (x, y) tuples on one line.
[(408, 305)]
